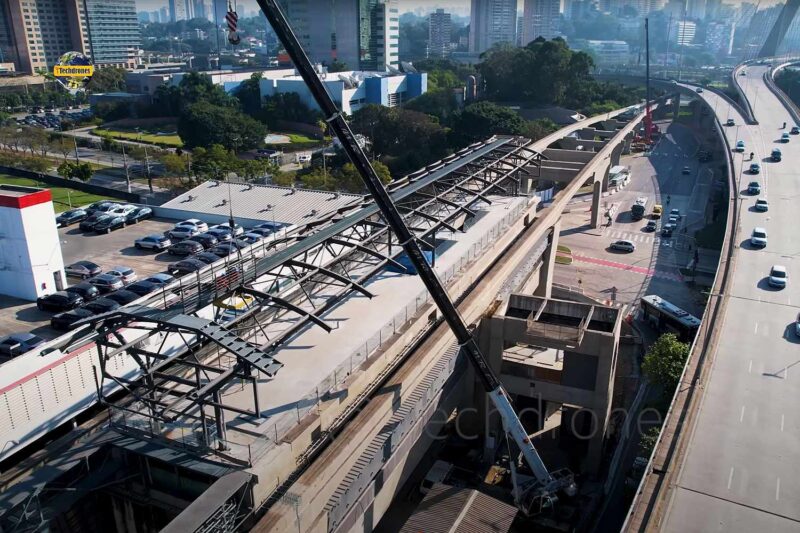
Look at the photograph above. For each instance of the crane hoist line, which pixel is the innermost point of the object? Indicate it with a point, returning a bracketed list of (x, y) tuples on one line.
[(533, 494)]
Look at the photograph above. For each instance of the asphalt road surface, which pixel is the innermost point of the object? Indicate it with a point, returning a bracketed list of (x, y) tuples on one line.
[(740, 469)]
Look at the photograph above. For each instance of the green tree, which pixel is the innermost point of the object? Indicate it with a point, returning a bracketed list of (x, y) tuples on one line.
[(338, 66), (204, 124), (664, 361), (249, 95), (82, 171), (106, 80), (174, 164), (482, 119), (648, 440), (283, 179)]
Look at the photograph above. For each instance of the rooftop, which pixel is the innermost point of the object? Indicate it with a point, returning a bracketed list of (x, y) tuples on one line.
[(449, 509), (17, 191), (260, 202)]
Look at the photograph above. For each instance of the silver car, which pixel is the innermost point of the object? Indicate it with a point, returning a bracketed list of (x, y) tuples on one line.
[(126, 274), (623, 246)]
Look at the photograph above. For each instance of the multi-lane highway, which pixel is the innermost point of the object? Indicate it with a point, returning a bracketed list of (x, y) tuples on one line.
[(740, 469)]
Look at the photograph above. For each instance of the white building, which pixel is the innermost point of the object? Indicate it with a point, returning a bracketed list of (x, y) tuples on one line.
[(682, 32), (30, 252), (540, 19), (609, 52), (492, 22)]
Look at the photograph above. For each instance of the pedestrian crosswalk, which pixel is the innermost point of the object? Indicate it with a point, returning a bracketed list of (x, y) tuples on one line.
[(634, 236)]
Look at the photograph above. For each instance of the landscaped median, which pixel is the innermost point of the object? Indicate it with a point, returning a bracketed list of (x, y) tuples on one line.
[(165, 138), (563, 255)]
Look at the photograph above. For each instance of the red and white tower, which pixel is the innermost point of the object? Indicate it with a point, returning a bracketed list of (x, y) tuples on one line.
[(30, 252)]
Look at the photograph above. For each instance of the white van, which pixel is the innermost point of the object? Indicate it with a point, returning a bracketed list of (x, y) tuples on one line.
[(303, 157)]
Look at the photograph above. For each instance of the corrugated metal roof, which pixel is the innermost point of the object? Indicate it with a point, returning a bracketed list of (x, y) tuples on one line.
[(448, 509), (260, 202)]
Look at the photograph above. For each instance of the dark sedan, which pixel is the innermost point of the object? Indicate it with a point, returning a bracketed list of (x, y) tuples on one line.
[(186, 266), (185, 248), (101, 305), (123, 297), (73, 216), (142, 288), (87, 224), (109, 223), (83, 269), (161, 279), (59, 301), (222, 235), (206, 257), (206, 239), (85, 290), (64, 321), (139, 214)]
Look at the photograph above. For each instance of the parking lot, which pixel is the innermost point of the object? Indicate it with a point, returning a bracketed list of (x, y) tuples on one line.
[(107, 250)]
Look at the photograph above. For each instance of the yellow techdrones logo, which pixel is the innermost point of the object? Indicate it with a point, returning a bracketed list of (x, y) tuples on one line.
[(70, 71)]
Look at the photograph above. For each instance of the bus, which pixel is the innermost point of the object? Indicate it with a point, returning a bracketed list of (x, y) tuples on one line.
[(637, 209), (669, 318)]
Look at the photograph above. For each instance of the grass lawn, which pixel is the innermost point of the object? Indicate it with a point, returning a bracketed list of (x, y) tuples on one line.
[(144, 136), (563, 249), (299, 138), (62, 196), (564, 259)]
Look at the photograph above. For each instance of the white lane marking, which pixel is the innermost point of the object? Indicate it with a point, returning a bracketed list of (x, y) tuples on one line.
[(756, 330), (750, 367), (730, 479), (782, 420), (778, 489), (741, 415)]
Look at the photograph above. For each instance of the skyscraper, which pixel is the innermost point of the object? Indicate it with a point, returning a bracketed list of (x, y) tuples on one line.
[(540, 19), (114, 36), (363, 34), (492, 22), (177, 10), (439, 33)]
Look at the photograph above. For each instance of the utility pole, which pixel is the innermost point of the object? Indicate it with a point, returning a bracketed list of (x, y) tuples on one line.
[(75, 142), (125, 164), (648, 121), (147, 169)]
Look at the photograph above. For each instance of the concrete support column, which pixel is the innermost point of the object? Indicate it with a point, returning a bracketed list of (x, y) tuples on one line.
[(545, 288), (676, 106), (596, 197)]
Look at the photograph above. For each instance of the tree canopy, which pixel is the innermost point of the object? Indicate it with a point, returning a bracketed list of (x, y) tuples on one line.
[(203, 124), (664, 362)]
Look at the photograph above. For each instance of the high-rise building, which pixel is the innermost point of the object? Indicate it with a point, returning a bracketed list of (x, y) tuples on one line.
[(540, 19), (204, 9), (439, 33), (717, 37), (682, 32), (520, 23), (696, 9), (492, 22), (41, 31), (363, 34), (178, 10), (163, 15)]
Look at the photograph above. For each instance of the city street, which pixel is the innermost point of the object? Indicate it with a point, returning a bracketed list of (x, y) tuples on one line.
[(654, 267)]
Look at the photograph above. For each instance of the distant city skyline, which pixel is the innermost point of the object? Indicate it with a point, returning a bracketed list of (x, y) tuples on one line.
[(457, 7)]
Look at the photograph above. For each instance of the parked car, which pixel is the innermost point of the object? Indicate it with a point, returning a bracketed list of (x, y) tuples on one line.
[(123, 210), (206, 257), (224, 249), (785, 137), (153, 242), (186, 247), (263, 232), (64, 321), (222, 235), (778, 277), (730, 122), (102, 305), (206, 239), (106, 283), (754, 187), (623, 246), (59, 301), (686, 171), (97, 206), (251, 238), (73, 216), (186, 266), (83, 269), (195, 223), (762, 205), (758, 237), (85, 290), (123, 297), (795, 130), (776, 155), (87, 224), (162, 278), (740, 146), (236, 230), (142, 287), (105, 207), (127, 274), (178, 233), (139, 214), (651, 225), (755, 168), (19, 343), (109, 223), (797, 326)]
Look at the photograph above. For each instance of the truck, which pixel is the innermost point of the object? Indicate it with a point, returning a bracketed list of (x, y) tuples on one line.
[(638, 208)]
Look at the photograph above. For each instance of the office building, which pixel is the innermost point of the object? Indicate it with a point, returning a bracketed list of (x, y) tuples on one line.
[(362, 34), (178, 10), (113, 32), (607, 53), (492, 22), (682, 32), (540, 19), (717, 37), (439, 33), (204, 9), (696, 9)]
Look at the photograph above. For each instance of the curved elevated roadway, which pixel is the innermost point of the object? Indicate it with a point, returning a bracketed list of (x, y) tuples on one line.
[(738, 466)]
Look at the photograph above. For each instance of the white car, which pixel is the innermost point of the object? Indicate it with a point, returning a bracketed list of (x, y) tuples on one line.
[(193, 223), (623, 246), (762, 205), (127, 274), (123, 210), (778, 277), (153, 242), (759, 237), (179, 233), (237, 229)]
